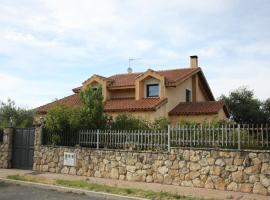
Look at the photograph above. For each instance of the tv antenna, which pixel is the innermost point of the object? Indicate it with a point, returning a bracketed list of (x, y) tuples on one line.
[(132, 59)]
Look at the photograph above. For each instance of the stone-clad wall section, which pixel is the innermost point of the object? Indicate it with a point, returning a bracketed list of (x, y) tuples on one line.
[(6, 148), (224, 170)]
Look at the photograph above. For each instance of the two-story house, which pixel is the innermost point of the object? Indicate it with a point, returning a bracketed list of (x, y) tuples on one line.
[(177, 94)]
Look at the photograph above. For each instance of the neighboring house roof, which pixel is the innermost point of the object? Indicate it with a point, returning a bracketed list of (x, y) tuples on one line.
[(119, 105), (199, 108)]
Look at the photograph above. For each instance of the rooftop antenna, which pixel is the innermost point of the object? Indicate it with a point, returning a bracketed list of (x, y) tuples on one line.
[(132, 59), (129, 63)]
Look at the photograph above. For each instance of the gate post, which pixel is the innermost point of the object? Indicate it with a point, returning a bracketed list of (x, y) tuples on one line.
[(38, 136), (37, 144), (6, 148)]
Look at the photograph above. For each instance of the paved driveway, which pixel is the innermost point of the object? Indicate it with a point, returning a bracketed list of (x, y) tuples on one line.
[(18, 192)]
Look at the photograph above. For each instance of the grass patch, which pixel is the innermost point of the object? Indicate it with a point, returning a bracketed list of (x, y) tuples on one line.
[(29, 178), (103, 188), (122, 191)]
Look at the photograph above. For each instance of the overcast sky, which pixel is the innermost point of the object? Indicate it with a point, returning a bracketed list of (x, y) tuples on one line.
[(48, 47)]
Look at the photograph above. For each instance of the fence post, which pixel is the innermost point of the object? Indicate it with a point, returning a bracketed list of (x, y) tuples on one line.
[(239, 137), (98, 139), (169, 138)]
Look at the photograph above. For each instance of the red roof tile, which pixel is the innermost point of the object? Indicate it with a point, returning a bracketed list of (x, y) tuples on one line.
[(198, 108), (123, 80), (70, 101), (149, 104), (171, 76)]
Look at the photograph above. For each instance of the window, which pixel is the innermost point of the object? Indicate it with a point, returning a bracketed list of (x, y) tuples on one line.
[(188, 95), (152, 90)]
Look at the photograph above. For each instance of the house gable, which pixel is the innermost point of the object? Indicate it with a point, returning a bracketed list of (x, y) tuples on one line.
[(94, 81), (140, 84)]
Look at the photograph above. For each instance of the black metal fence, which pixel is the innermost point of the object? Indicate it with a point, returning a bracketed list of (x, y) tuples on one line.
[(1, 135), (67, 138), (232, 136)]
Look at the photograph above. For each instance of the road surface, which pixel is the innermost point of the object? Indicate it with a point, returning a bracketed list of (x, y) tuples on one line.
[(18, 192)]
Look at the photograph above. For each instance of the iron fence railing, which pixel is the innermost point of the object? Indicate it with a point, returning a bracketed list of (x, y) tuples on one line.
[(124, 139), (67, 138), (1, 135), (232, 136)]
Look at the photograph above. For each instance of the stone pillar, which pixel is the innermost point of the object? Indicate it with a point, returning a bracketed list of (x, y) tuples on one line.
[(37, 143), (6, 148)]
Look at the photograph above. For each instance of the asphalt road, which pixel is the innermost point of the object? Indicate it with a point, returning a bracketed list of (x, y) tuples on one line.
[(17, 192)]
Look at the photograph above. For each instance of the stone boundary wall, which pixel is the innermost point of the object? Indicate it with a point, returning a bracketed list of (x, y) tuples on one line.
[(6, 148), (245, 171)]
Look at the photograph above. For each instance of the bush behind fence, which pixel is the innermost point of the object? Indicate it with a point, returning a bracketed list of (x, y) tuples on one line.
[(232, 136)]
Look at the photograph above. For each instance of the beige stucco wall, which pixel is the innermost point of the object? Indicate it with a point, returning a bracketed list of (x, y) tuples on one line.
[(200, 95), (222, 115), (198, 118), (193, 118), (124, 93), (177, 94)]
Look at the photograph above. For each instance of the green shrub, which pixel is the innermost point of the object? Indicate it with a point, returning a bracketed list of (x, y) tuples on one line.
[(160, 123), (62, 119), (128, 122)]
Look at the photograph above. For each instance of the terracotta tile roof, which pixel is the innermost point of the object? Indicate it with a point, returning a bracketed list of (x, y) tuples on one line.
[(120, 80), (175, 75), (171, 76), (198, 108), (70, 101), (128, 80), (149, 104), (120, 105)]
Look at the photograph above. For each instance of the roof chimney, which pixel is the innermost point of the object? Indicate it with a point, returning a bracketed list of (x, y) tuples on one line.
[(193, 61)]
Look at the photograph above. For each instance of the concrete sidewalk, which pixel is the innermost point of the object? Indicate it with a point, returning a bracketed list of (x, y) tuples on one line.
[(185, 191)]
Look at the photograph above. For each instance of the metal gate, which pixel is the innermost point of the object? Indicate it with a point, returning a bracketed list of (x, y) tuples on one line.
[(23, 148)]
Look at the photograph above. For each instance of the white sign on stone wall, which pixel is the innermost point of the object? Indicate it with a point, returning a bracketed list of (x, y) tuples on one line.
[(69, 159)]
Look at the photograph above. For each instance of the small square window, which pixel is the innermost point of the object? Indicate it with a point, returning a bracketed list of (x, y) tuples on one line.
[(152, 90), (94, 88), (188, 95)]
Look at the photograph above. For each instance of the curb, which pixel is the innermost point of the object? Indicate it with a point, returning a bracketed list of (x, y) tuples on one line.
[(73, 190)]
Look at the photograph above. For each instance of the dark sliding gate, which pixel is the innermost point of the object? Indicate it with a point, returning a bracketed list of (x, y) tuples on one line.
[(23, 148)]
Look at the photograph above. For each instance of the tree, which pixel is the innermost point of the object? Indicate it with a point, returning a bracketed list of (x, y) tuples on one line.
[(62, 119), (266, 109), (244, 107), (92, 111), (12, 115)]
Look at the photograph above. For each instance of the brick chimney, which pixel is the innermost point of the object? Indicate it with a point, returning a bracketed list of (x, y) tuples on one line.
[(193, 61)]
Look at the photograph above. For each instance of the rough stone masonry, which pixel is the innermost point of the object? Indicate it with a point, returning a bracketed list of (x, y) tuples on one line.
[(245, 171), (6, 149)]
